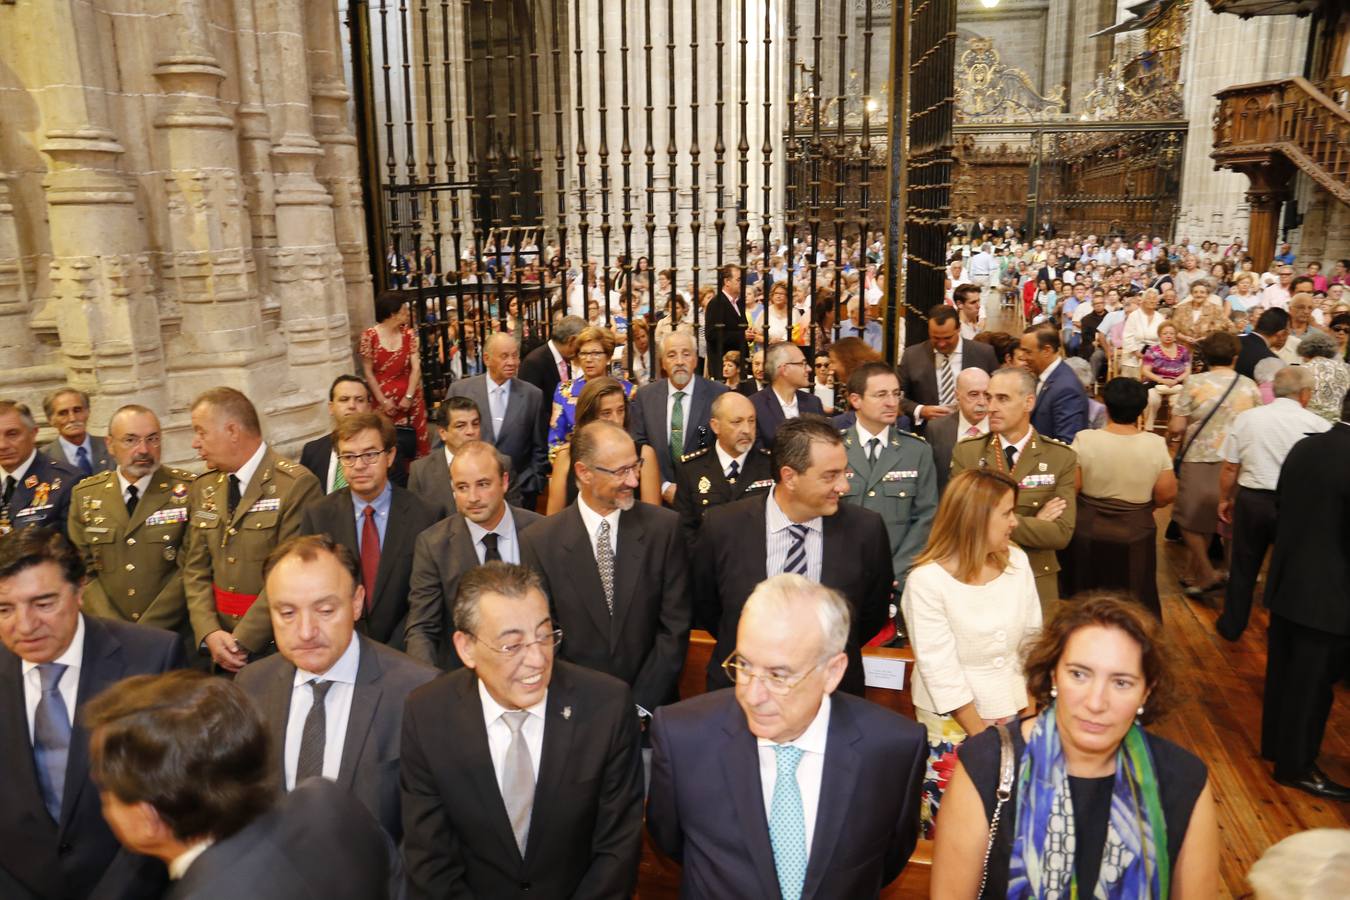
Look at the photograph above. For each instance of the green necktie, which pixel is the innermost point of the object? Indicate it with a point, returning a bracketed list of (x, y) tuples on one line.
[(677, 428), (339, 479)]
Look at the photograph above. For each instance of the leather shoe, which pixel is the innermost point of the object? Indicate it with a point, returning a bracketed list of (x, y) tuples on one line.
[(1314, 781)]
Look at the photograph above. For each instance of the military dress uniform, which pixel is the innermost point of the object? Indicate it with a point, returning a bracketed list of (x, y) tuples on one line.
[(901, 486), (701, 484), (1045, 469), (41, 498), (224, 554), (134, 557)]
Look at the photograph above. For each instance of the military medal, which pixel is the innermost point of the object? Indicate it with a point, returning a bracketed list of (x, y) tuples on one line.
[(704, 485), (30, 481), (1044, 467), (40, 495), (179, 491)]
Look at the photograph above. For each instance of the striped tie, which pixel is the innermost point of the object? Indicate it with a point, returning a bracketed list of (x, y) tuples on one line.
[(946, 384), (796, 556)]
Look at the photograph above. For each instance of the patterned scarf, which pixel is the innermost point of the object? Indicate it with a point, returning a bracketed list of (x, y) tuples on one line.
[(1135, 863)]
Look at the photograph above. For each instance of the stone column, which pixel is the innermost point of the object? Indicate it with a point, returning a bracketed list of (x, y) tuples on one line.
[(255, 145), (1269, 189), (16, 342)]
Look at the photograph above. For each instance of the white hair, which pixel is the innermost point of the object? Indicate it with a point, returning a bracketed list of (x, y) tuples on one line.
[(777, 595)]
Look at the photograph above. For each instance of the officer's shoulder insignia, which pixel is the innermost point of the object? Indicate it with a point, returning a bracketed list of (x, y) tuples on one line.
[(969, 438), (1056, 442), (286, 465), (96, 480), (702, 451), (912, 436), (180, 474)]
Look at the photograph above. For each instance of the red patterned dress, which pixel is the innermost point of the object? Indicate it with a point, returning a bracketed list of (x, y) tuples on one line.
[(393, 369)]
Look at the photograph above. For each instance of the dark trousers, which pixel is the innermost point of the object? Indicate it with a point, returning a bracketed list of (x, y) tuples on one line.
[(1302, 666), (1253, 533)]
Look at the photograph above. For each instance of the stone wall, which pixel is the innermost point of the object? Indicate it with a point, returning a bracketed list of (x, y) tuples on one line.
[(179, 207)]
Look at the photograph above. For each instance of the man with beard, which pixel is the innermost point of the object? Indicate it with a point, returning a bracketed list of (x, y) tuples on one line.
[(671, 415), (730, 469)]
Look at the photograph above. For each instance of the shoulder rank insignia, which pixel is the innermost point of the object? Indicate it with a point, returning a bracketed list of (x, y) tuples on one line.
[(704, 485), (695, 455)]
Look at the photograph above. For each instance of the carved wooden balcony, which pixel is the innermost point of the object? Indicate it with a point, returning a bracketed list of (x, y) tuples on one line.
[(1272, 124)]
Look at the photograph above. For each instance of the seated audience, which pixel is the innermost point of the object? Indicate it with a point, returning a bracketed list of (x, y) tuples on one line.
[(1165, 366)]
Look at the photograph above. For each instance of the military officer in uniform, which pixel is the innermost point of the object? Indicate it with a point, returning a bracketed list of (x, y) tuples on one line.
[(252, 502), (732, 468), (890, 472), (34, 489), (129, 525), (1045, 471)]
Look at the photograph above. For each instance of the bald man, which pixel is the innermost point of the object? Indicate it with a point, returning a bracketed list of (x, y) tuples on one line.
[(730, 469), (971, 420)]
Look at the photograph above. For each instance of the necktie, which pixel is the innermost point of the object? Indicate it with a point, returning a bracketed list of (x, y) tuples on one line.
[(51, 738), (787, 824), (1010, 454), (946, 383), (339, 478), (133, 495), (234, 494), (872, 450), (733, 470), (518, 778), (498, 404), (82, 461), (10, 484), (309, 764), (564, 371), (677, 428), (370, 553), (973, 431), (604, 561), (796, 557), (490, 546)]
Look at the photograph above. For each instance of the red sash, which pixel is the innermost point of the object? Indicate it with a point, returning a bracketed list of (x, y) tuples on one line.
[(232, 604)]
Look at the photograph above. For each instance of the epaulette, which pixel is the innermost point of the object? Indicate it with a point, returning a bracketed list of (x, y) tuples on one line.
[(910, 434), (96, 479), (286, 465), (972, 437), (1051, 440), (695, 455), (180, 474)]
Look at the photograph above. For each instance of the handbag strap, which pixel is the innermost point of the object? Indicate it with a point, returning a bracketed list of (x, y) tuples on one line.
[(1185, 448), (1003, 792)]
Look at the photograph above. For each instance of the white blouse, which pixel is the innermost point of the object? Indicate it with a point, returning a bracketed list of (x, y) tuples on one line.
[(967, 638), (1140, 329)]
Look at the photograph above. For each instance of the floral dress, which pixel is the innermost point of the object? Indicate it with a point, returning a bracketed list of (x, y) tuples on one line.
[(393, 369), (564, 416)]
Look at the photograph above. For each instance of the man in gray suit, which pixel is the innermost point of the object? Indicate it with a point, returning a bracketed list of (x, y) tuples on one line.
[(676, 407), (458, 421), (971, 420), (68, 412), (332, 700), (512, 409), (485, 528)]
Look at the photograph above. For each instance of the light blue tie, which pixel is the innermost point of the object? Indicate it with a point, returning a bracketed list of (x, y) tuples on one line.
[(51, 738), (787, 824)]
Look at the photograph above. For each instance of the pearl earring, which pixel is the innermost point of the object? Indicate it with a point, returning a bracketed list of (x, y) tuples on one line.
[(1054, 692)]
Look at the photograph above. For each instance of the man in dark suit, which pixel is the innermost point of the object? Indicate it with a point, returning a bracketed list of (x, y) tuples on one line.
[(457, 421), (549, 364), (723, 320), (971, 420), (674, 409), (347, 396), (485, 528), (35, 489), (769, 791), (522, 775), (1049, 272), (799, 527), (615, 570), (1309, 603), (324, 671), (513, 414), (376, 520), (929, 369), (54, 843), (186, 775), (1061, 403), (786, 396), (1268, 335), (68, 412), (730, 469)]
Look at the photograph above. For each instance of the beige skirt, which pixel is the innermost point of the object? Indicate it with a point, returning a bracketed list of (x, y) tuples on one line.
[(1197, 504)]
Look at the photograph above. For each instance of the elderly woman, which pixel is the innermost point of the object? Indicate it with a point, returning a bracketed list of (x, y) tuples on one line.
[(1124, 474), (969, 601), (1243, 296), (1095, 805), (1200, 315), (1141, 332), (1203, 413), (1166, 365), (595, 348), (1331, 376)]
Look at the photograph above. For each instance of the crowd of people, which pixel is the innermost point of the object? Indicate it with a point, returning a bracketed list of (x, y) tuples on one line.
[(390, 645)]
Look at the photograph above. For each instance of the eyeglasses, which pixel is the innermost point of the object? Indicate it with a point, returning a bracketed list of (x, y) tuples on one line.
[(349, 460), (623, 471), (132, 441), (592, 354), (780, 685), (1341, 329), (799, 362), (547, 642)]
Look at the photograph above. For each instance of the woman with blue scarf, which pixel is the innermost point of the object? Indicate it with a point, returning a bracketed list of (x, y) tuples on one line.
[(1097, 806)]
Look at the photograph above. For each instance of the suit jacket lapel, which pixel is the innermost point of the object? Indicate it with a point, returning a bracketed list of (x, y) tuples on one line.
[(394, 537), (514, 420), (479, 388), (837, 786), (627, 564), (102, 665), (366, 696), (15, 737), (344, 529), (463, 555), (857, 458), (833, 545), (276, 707), (658, 429), (577, 543), (740, 765), (558, 735), (115, 506)]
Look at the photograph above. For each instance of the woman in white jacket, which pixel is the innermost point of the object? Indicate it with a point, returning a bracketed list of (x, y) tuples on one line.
[(1141, 331)]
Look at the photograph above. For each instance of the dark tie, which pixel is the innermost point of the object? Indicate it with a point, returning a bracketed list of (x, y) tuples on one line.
[(10, 484), (1010, 454), (604, 562), (234, 494), (370, 554), (133, 496), (82, 461), (795, 563), (733, 470), (51, 738), (872, 446), (490, 546), (309, 764), (677, 428)]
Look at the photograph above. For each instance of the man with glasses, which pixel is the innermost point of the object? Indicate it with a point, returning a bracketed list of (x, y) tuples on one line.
[(616, 571), (553, 745), (376, 520), (787, 396), (770, 790), (130, 524)]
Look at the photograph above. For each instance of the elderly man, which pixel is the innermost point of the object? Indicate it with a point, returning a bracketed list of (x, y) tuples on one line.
[(769, 790), (54, 844), (36, 489), (68, 412), (347, 396), (457, 422), (130, 524), (971, 420), (332, 700), (252, 501), (730, 469), (514, 732), (1061, 404), (787, 396), (671, 415)]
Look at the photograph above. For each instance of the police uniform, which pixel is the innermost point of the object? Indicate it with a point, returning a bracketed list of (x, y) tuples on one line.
[(901, 486), (1046, 468), (41, 498), (133, 557), (224, 555), (701, 484)]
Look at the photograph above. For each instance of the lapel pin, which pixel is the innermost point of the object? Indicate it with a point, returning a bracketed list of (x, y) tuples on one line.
[(1044, 467), (567, 712)]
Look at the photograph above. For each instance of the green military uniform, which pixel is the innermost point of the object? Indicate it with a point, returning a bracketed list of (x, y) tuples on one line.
[(224, 555), (134, 558), (901, 486), (1046, 468), (701, 483)]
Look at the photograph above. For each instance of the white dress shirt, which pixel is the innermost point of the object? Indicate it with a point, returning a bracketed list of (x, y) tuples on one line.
[(790, 410), (18, 473), (1004, 444), (179, 865), (337, 710), (69, 684), (499, 733), (1045, 376), (864, 436), (591, 519), (1260, 438), (954, 360), (810, 768), (726, 459), (778, 539), (507, 545), (141, 484), (245, 472)]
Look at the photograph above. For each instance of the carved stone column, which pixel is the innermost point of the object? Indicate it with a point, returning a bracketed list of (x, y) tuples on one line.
[(16, 342)]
